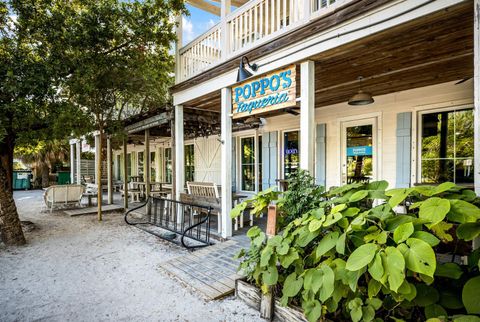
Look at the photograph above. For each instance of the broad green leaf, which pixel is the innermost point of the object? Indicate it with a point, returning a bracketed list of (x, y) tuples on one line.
[(350, 212), (265, 256), (463, 212), (340, 247), (449, 270), (451, 300), (292, 285), (338, 208), (315, 224), (426, 295), (368, 313), (441, 231), (408, 290), (270, 276), (355, 307), (403, 232), (327, 243), (259, 239), (361, 257), (435, 311), (253, 232), (397, 196), (359, 195), (312, 309), (375, 268), (398, 220), (274, 241), (443, 187), (434, 210), (289, 258), (374, 302), (353, 277), (327, 282), (306, 236), (373, 288), (470, 293), (468, 231), (381, 185), (395, 265), (382, 212), (466, 318), (420, 257), (283, 248), (426, 237)]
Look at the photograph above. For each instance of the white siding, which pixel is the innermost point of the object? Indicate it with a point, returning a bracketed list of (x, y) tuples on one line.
[(207, 159)]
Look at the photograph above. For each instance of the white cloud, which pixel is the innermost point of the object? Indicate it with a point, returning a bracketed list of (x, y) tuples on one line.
[(210, 24), (188, 33)]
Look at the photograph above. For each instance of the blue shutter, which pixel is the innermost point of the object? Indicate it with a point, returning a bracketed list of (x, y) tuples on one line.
[(320, 155), (273, 151), (404, 148), (234, 165)]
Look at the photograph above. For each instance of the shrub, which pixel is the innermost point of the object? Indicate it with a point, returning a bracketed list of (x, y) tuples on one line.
[(365, 253)]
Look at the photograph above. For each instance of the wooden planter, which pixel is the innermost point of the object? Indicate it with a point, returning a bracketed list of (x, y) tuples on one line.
[(251, 295)]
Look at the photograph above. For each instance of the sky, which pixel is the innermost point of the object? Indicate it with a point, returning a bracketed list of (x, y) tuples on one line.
[(197, 23)]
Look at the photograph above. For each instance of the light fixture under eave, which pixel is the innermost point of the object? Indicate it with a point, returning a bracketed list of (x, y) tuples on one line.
[(243, 73), (361, 98)]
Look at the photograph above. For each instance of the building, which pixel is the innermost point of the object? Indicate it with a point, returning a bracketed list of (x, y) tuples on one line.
[(409, 69)]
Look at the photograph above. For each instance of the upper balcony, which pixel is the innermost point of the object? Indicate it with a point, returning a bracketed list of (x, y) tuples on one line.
[(252, 24)]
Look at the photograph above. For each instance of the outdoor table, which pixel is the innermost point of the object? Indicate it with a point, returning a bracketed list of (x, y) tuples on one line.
[(236, 198), (89, 195)]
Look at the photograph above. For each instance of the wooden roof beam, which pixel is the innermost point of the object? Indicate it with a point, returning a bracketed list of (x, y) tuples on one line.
[(206, 6), (235, 3)]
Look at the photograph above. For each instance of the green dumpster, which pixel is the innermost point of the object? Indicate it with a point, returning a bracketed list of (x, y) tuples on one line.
[(63, 177), (21, 179)]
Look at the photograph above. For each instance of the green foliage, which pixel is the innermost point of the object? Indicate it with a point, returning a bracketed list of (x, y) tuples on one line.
[(353, 257)]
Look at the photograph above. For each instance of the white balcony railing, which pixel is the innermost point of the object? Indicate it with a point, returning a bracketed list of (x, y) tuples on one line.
[(250, 25)]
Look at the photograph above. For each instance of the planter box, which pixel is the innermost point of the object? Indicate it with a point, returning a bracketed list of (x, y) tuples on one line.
[(251, 295)]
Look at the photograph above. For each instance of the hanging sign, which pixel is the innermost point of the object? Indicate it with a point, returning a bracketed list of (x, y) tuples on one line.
[(359, 151), (270, 92)]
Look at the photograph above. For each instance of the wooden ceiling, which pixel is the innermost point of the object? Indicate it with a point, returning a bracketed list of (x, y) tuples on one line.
[(427, 51)]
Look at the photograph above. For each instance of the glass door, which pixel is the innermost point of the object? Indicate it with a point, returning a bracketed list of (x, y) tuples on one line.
[(359, 151), (291, 153)]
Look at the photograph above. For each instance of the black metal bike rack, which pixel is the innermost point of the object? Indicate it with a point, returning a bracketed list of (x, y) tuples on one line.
[(185, 220)]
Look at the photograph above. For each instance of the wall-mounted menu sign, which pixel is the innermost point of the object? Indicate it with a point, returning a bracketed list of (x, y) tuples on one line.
[(266, 93)]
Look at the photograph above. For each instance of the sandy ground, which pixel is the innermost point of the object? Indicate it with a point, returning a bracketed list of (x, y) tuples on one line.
[(77, 269)]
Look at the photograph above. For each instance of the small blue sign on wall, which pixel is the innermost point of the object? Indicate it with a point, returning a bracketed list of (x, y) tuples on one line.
[(354, 151)]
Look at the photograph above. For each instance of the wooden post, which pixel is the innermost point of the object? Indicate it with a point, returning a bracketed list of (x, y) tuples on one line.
[(125, 175), (146, 170), (226, 171), (225, 8), (178, 45), (109, 171), (266, 301), (307, 115), (98, 180)]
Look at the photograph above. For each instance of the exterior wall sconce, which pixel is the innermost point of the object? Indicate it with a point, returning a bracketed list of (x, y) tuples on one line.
[(243, 73)]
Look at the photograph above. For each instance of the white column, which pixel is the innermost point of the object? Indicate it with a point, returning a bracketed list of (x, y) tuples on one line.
[(307, 115), (78, 160), (225, 8), (226, 171), (146, 163), (178, 45), (72, 163), (476, 98), (179, 152), (307, 9), (109, 171), (97, 156)]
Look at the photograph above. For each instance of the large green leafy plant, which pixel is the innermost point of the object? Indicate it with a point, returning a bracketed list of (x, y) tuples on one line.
[(367, 253)]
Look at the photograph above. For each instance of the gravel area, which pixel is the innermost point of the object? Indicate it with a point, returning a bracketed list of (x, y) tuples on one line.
[(78, 269)]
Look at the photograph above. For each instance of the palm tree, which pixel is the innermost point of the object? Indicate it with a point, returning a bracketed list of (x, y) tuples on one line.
[(43, 157)]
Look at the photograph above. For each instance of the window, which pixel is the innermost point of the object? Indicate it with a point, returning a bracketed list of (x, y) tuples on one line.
[(153, 168), (189, 163), (140, 165), (247, 163), (168, 165), (291, 155), (447, 147)]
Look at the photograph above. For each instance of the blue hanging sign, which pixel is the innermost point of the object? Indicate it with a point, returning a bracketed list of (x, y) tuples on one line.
[(354, 151), (273, 91)]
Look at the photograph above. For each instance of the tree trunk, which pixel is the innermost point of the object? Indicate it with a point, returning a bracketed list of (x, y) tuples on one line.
[(45, 175), (10, 226)]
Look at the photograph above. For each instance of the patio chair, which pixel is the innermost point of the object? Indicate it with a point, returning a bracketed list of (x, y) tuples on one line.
[(63, 195)]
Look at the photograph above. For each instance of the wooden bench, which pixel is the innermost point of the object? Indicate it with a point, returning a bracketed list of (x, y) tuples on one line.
[(208, 194), (63, 195)]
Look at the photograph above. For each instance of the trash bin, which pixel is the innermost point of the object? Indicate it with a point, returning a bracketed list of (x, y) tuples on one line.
[(63, 177), (21, 179)]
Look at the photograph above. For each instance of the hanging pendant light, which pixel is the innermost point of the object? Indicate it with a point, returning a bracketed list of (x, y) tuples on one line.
[(361, 97)]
